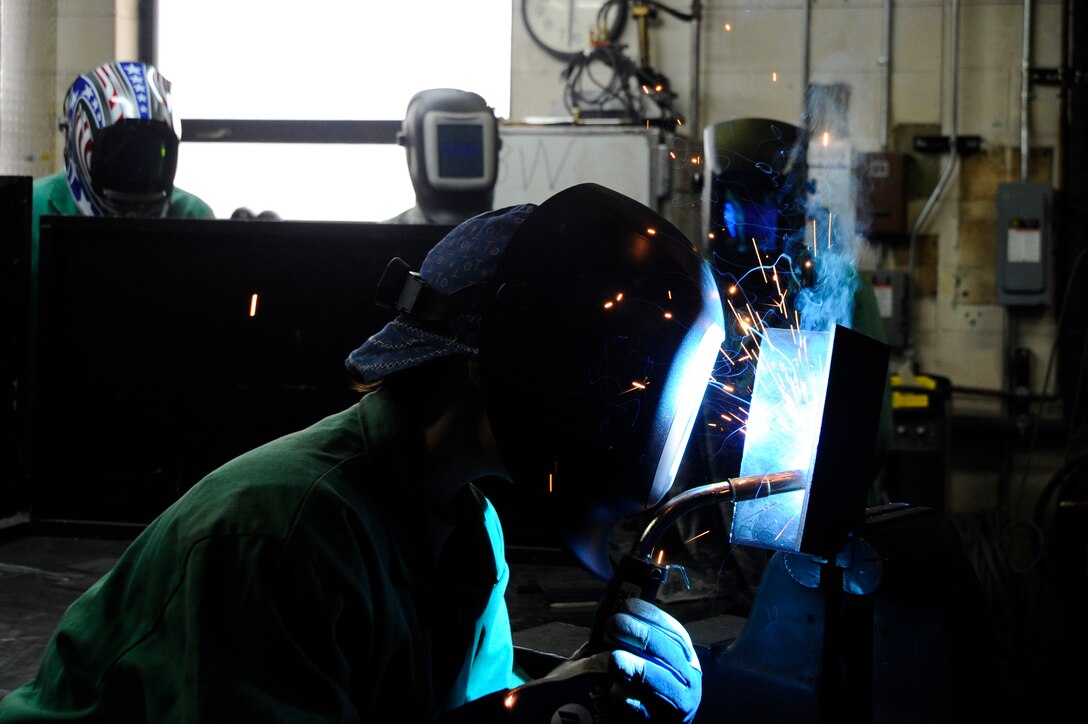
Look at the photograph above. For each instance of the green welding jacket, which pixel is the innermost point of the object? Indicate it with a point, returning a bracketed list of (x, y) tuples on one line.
[(295, 583)]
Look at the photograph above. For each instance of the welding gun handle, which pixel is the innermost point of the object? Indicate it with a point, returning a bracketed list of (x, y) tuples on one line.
[(637, 577)]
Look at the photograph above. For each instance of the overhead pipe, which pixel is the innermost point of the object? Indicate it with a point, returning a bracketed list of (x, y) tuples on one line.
[(805, 52), (885, 63), (696, 131), (1025, 92)]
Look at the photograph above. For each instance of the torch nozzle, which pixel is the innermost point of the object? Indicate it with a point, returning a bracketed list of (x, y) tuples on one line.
[(730, 490)]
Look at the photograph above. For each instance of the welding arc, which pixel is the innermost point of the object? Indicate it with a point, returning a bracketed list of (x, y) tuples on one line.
[(730, 489)]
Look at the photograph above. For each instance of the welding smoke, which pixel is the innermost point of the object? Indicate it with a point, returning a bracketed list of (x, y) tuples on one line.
[(829, 298), (831, 248)]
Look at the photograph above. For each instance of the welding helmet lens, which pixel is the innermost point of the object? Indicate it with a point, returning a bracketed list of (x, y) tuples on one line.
[(133, 165), (595, 353)]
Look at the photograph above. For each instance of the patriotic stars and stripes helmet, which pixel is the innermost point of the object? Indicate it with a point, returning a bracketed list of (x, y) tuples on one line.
[(121, 146)]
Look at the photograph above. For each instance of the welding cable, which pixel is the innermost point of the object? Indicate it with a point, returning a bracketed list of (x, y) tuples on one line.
[(1058, 330), (1062, 549), (981, 533), (606, 8), (616, 88), (1073, 473)]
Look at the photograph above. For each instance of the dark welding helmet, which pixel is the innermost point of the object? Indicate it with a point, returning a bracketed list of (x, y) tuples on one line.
[(596, 346), (451, 138), (753, 198), (121, 148)]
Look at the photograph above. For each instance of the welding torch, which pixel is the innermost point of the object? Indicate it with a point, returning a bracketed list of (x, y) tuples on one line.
[(639, 576)]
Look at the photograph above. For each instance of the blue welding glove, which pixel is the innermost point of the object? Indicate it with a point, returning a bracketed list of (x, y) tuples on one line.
[(653, 674), (656, 674)]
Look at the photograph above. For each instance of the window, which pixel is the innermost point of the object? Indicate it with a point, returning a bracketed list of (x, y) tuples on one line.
[(320, 60)]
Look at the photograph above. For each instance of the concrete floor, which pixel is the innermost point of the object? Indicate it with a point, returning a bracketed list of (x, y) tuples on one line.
[(40, 576)]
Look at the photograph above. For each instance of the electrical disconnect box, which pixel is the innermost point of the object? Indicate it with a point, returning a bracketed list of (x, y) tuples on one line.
[(1024, 245), (881, 191)]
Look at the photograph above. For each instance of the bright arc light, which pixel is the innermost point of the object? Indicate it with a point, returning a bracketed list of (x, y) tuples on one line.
[(685, 387)]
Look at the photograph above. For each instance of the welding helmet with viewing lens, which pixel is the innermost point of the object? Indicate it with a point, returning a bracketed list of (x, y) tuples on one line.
[(121, 147), (451, 138), (596, 347)]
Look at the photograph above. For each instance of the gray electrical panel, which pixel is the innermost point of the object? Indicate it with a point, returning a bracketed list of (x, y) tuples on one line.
[(1024, 243)]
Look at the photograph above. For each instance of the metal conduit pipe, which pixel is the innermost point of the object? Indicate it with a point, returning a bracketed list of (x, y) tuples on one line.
[(885, 63), (953, 158), (805, 52), (1025, 91), (696, 132)]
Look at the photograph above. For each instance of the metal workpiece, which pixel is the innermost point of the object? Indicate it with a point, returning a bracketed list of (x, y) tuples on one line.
[(815, 408)]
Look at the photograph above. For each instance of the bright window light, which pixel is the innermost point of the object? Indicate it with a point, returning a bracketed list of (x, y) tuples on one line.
[(320, 60)]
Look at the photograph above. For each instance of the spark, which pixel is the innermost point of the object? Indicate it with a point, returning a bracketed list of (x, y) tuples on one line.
[(253, 305), (710, 235), (672, 155), (787, 525), (679, 121), (508, 702), (752, 313), (660, 556), (689, 540), (728, 27), (609, 304), (668, 315), (619, 297), (774, 77), (670, 294), (758, 260), (651, 231), (646, 89), (695, 162), (826, 139)]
